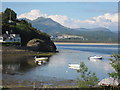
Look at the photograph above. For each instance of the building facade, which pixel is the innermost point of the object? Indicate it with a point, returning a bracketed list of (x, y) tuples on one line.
[(10, 37)]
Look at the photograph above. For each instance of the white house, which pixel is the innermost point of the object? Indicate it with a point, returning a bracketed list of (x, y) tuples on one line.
[(13, 38), (1, 39), (10, 37)]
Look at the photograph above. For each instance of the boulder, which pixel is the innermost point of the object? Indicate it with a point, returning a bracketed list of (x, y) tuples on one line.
[(41, 45)]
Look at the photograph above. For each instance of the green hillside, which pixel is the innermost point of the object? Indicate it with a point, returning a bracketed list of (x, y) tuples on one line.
[(25, 29)]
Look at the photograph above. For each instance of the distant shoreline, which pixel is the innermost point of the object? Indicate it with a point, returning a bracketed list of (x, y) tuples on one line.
[(86, 43)]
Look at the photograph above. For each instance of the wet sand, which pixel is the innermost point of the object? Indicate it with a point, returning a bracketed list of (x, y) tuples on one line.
[(87, 43)]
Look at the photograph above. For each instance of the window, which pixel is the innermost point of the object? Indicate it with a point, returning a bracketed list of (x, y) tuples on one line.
[(1, 38)]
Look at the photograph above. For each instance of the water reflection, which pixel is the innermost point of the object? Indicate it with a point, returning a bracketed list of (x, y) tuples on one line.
[(66, 57), (18, 64), (57, 66)]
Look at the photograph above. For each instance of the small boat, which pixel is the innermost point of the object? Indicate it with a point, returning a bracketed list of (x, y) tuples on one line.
[(95, 58), (40, 58), (74, 66)]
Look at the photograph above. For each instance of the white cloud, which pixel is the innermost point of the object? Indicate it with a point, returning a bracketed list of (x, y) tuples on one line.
[(107, 17), (107, 20), (33, 14), (59, 18)]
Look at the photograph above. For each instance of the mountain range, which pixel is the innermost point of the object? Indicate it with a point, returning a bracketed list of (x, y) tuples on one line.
[(51, 27)]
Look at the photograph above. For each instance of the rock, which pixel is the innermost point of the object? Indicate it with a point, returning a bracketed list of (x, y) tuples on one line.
[(41, 45)]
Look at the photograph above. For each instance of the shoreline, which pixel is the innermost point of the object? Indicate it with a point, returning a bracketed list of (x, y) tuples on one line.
[(86, 43), (58, 83), (10, 53)]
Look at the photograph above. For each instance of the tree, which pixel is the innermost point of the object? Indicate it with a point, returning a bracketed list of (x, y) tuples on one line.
[(9, 14), (115, 63), (87, 78)]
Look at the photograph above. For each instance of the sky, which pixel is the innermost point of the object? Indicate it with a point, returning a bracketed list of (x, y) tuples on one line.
[(60, 0), (69, 14)]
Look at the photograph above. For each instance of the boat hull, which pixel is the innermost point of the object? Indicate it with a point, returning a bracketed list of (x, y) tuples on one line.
[(74, 66), (95, 58)]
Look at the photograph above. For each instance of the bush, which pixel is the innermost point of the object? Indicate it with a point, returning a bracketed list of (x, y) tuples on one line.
[(115, 63), (87, 79)]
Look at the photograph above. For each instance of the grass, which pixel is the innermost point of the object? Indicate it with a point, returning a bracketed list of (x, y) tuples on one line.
[(50, 84), (8, 51), (29, 54)]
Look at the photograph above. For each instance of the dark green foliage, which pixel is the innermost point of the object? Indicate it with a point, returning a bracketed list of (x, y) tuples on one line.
[(25, 29), (87, 79), (10, 43), (27, 32), (115, 63), (9, 14)]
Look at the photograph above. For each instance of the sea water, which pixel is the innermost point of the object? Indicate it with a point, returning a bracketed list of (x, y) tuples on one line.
[(57, 67)]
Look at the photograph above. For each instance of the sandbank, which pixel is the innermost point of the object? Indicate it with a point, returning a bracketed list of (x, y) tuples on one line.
[(86, 43)]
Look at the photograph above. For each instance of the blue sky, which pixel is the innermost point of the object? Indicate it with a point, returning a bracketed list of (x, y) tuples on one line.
[(75, 10), (69, 14)]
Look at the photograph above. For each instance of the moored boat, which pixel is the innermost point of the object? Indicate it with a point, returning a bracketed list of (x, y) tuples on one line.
[(95, 57), (74, 66), (40, 60)]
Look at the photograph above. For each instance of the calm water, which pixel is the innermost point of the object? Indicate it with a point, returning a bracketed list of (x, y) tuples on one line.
[(57, 67)]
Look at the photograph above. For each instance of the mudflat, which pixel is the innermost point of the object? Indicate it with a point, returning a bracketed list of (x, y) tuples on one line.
[(87, 43)]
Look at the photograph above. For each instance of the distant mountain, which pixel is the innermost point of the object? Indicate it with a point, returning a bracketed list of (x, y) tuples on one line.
[(51, 27), (100, 29), (94, 29), (28, 20)]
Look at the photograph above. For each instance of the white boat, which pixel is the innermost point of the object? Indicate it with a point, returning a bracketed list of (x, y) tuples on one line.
[(95, 57), (74, 66), (41, 58)]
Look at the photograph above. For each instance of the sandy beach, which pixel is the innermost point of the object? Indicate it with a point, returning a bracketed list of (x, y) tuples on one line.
[(87, 43)]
